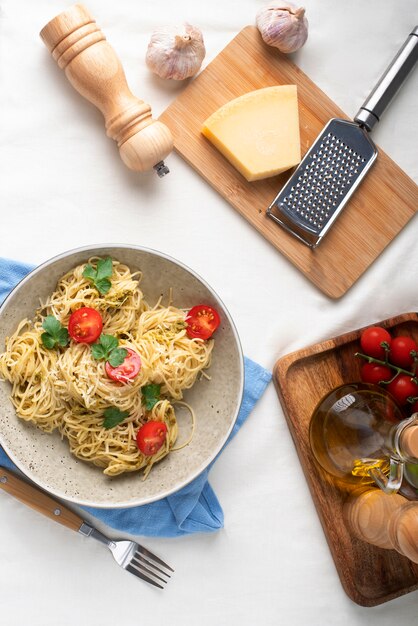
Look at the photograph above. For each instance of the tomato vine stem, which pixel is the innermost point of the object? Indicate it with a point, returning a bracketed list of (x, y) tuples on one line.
[(399, 370)]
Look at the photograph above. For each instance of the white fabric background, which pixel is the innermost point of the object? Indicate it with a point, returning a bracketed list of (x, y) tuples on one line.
[(62, 185)]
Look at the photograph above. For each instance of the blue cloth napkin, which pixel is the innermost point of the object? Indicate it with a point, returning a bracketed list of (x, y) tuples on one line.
[(195, 508)]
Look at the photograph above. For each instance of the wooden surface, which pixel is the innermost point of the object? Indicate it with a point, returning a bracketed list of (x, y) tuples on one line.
[(38, 500), (92, 67), (369, 575), (380, 208)]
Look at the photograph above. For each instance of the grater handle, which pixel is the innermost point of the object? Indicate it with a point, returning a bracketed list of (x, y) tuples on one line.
[(383, 92)]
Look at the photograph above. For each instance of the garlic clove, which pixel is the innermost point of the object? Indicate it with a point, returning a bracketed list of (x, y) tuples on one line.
[(283, 25), (175, 52)]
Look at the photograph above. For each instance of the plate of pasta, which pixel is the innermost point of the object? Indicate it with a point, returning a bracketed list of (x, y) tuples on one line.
[(121, 375)]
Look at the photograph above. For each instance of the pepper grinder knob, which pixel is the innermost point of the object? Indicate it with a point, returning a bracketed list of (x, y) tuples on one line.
[(92, 67)]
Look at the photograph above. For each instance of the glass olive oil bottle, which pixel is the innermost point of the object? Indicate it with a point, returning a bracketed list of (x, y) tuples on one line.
[(358, 434)]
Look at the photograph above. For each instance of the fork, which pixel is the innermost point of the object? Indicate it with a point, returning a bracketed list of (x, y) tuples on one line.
[(128, 554)]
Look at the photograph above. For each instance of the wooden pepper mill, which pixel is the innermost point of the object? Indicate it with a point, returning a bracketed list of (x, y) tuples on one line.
[(386, 521), (92, 67)]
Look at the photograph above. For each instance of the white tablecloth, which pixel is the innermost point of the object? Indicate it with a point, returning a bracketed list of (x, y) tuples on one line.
[(62, 185)]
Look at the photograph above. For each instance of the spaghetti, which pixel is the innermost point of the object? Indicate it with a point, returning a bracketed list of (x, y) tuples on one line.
[(67, 389)]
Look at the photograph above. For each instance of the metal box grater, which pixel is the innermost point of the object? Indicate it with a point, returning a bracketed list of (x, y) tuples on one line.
[(336, 163), (330, 171)]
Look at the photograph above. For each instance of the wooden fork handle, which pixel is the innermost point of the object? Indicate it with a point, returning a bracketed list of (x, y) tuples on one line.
[(38, 500)]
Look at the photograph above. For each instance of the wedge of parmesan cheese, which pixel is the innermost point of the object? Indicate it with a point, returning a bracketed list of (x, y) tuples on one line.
[(258, 132)]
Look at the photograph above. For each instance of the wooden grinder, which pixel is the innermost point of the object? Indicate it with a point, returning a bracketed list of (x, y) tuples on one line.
[(386, 521), (92, 67)]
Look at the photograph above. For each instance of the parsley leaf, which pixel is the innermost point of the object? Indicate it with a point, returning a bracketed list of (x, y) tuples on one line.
[(117, 356), (107, 349), (104, 268), (54, 334), (100, 275), (151, 395), (90, 273), (98, 352), (103, 286), (108, 342), (113, 416)]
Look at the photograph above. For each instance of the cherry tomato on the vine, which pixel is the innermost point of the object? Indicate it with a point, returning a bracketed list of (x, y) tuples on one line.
[(127, 370), (371, 340), (375, 373), (414, 407), (400, 351), (150, 437), (85, 325), (202, 321), (402, 388)]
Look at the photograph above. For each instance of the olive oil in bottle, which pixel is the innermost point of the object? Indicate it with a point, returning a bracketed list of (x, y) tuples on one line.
[(358, 434)]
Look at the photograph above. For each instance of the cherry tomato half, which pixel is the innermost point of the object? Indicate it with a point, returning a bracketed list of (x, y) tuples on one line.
[(127, 370), (150, 437), (400, 351), (402, 388), (85, 325), (375, 373), (371, 340), (202, 321)]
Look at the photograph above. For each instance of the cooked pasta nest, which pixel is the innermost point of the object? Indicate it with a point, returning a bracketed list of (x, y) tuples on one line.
[(66, 390)]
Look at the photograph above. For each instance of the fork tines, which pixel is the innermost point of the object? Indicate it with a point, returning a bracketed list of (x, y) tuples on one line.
[(143, 565)]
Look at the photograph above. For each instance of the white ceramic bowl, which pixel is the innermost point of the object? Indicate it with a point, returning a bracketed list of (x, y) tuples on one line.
[(46, 459)]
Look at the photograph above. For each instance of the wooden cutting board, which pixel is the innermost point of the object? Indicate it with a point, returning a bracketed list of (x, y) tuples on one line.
[(369, 575), (383, 204)]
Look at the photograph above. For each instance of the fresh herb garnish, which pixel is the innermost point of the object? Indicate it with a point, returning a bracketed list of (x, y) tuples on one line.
[(113, 416), (107, 349), (54, 334), (151, 395), (100, 275)]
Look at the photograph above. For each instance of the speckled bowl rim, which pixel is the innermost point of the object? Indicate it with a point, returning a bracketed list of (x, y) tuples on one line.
[(91, 249)]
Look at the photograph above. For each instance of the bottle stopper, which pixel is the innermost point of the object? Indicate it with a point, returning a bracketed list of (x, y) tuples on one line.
[(409, 441), (93, 68)]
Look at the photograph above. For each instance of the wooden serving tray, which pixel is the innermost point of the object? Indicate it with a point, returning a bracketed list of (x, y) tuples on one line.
[(380, 208), (369, 575)]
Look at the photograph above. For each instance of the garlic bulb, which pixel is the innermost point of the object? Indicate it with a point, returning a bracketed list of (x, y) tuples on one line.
[(283, 26), (175, 52)]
